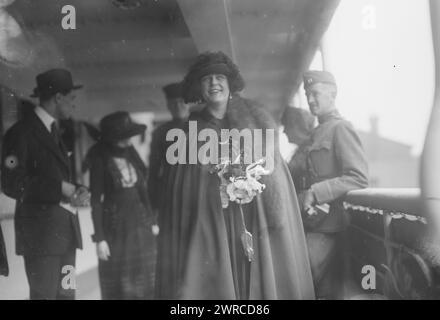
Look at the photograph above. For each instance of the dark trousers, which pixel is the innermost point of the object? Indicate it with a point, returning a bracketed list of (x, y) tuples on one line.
[(51, 277), (328, 264)]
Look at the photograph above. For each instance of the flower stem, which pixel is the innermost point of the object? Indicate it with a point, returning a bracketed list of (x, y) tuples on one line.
[(246, 238), (243, 224)]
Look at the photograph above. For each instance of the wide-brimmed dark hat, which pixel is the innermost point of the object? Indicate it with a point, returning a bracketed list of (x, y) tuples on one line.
[(54, 81), (118, 126), (210, 63)]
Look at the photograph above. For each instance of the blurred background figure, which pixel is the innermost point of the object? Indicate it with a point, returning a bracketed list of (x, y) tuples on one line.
[(121, 211), (298, 127), (158, 164)]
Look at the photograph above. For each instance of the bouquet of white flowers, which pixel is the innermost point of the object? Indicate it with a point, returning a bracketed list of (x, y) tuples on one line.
[(239, 184)]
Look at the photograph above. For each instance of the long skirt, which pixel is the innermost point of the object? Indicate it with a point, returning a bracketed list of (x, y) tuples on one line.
[(130, 271)]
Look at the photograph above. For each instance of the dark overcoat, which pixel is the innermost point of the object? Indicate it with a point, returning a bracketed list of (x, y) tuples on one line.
[(200, 253), (33, 168)]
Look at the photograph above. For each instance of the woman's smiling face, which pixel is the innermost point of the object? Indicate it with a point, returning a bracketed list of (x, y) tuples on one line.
[(215, 88)]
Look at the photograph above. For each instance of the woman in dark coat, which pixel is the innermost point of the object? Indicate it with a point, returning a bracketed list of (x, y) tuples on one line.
[(121, 212), (200, 249)]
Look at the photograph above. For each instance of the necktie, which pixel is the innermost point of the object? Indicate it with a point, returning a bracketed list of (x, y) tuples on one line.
[(55, 133)]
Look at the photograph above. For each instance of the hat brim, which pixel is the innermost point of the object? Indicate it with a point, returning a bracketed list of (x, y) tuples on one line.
[(36, 93), (134, 130), (217, 68), (192, 93)]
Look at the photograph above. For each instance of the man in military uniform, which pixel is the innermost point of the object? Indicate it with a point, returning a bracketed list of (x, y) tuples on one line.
[(336, 164), (158, 165)]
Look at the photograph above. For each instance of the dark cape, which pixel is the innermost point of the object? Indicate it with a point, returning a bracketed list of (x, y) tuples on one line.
[(199, 251)]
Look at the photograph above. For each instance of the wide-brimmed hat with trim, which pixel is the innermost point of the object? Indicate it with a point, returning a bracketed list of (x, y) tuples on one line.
[(118, 126), (54, 81), (210, 63)]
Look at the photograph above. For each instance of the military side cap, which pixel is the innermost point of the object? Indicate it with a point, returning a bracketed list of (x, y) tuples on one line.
[(313, 76)]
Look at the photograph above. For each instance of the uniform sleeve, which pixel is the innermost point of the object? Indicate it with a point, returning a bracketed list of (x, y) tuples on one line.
[(19, 180), (97, 192), (353, 164)]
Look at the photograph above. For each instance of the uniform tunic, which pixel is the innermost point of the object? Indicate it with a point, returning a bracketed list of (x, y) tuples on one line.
[(336, 164)]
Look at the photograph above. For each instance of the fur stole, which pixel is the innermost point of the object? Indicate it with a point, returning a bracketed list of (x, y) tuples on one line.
[(243, 113)]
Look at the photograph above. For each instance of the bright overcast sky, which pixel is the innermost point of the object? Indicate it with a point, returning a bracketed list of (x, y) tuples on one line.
[(381, 54)]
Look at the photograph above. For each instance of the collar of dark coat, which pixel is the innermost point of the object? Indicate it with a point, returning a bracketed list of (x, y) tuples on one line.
[(40, 131), (244, 113)]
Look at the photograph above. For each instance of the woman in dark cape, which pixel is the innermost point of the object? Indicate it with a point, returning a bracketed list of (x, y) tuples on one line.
[(201, 255), (121, 212)]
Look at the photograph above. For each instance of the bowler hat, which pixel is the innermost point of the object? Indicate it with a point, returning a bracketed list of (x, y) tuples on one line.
[(54, 81), (118, 126)]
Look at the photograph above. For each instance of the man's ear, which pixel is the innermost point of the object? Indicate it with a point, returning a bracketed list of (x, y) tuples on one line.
[(58, 97)]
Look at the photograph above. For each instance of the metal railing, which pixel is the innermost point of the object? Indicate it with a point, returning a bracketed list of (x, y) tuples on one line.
[(390, 233)]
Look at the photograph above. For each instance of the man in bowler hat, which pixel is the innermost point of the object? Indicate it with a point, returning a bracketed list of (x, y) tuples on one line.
[(36, 173), (336, 164)]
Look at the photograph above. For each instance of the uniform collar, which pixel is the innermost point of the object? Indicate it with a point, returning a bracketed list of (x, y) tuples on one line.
[(45, 117)]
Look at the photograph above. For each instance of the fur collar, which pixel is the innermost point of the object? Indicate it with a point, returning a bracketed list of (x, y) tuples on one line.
[(243, 113)]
